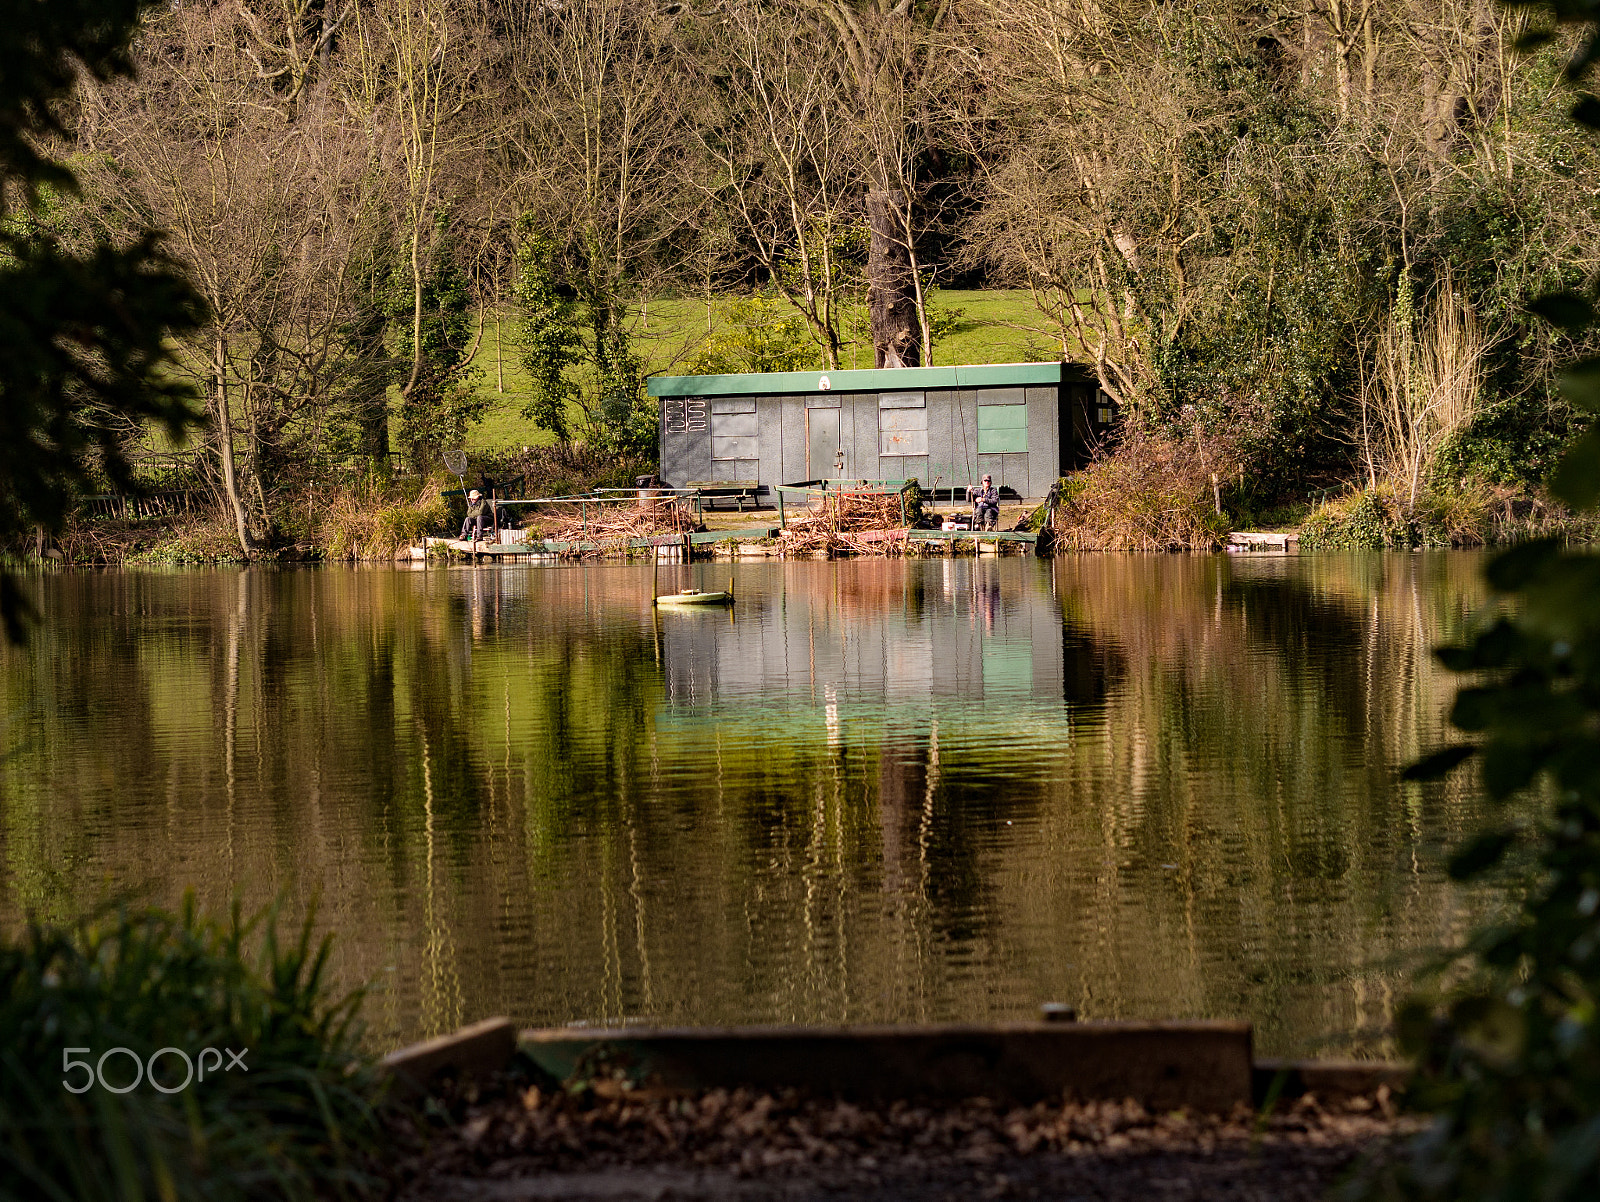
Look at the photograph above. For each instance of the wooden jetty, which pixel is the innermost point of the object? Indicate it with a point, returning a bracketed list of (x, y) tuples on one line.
[(749, 541), (1264, 540)]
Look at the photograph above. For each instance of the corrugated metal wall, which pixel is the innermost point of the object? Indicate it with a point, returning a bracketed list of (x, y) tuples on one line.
[(1011, 433)]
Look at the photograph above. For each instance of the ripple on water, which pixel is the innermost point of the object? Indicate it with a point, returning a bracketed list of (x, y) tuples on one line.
[(875, 791)]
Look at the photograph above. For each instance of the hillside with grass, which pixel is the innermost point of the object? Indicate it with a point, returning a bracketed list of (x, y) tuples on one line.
[(671, 335)]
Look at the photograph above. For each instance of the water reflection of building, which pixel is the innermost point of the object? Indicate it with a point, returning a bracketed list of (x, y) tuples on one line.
[(902, 632)]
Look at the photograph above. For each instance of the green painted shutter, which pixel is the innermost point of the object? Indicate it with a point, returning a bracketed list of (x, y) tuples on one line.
[(1002, 429)]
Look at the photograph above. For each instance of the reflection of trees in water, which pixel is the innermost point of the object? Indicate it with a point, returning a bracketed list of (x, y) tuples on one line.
[(483, 776), (1259, 847)]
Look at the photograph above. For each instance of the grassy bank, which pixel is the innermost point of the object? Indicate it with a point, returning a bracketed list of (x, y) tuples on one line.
[(997, 326)]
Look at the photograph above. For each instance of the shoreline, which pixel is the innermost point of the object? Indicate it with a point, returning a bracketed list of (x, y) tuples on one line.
[(502, 1126)]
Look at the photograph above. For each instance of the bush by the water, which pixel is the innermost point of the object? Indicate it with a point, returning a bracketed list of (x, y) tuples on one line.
[(561, 469), (299, 1123), (1154, 492), (371, 522), (1470, 513)]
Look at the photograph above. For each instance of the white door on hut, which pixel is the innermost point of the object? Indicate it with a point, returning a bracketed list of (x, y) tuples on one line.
[(902, 435)]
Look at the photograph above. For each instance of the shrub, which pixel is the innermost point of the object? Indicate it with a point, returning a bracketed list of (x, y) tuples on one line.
[(298, 1124), (761, 335), (361, 523), (1469, 513), (1154, 492), (1363, 521)]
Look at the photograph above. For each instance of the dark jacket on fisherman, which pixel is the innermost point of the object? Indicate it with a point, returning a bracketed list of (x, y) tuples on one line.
[(480, 514)]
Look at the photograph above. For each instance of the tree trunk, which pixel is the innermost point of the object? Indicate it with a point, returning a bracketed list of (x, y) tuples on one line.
[(891, 286), (230, 475)]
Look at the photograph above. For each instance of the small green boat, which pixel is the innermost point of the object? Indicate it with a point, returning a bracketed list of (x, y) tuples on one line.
[(694, 596)]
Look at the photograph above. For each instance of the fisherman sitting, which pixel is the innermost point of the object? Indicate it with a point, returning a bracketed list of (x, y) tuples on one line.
[(480, 516), (986, 506)]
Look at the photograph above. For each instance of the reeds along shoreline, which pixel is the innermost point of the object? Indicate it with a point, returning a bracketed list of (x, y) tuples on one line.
[(1150, 496)]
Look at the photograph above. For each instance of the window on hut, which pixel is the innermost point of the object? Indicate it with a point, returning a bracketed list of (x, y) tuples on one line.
[(1002, 429), (734, 451), (902, 423)]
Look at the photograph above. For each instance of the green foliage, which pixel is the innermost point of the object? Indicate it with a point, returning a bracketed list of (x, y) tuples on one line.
[(551, 341), (296, 1125), (85, 332), (578, 349), (1509, 1059), (443, 401), (761, 335), (1372, 520), (1260, 313), (1468, 512), (1517, 440), (944, 320)]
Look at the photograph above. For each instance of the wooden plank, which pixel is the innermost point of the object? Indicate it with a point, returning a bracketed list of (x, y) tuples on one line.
[(701, 538), (1008, 536), (1253, 539), (478, 1050), (1165, 1066)]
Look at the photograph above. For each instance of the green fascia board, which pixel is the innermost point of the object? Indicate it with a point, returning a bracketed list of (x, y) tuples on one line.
[(1002, 417), (897, 379)]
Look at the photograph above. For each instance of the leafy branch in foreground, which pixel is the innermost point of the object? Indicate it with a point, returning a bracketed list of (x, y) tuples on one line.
[(84, 331), (1509, 1059)]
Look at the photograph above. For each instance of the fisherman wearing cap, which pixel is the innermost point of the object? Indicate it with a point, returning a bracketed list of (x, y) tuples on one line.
[(480, 515), (986, 506)]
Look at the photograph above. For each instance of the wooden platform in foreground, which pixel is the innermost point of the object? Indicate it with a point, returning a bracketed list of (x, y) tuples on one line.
[(1164, 1065)]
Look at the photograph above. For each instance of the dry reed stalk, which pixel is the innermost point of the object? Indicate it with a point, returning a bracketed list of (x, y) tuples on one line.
[(612, 529), (1422, 390), (1154, 492), (839, 522)]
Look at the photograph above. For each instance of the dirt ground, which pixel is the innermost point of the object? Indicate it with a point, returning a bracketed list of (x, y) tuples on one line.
[(515, 1141)]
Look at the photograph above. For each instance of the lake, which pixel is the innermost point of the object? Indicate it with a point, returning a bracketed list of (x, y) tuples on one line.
[(874, 791)]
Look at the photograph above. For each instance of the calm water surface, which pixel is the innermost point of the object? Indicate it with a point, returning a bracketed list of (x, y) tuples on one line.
[(1152, 786)]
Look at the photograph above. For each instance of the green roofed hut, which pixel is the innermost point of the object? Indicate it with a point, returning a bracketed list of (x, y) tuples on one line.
[(1026, 424)]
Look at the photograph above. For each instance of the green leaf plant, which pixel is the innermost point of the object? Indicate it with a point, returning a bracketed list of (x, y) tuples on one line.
[(1507, 1052)]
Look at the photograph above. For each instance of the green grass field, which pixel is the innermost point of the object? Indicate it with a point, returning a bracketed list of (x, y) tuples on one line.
[(993, 327)]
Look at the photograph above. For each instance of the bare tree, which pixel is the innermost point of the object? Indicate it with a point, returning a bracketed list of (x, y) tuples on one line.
[(1076, 114), (419, 71), (888, 56), (597, 148), (271, 217), (780, 156)]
